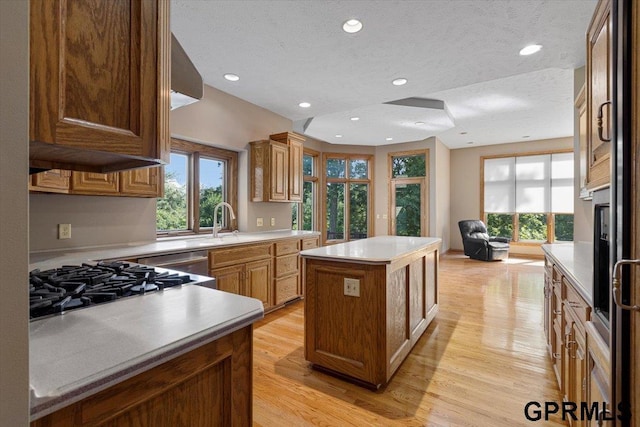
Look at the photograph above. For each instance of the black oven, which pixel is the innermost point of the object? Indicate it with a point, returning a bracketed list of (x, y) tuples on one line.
[(601, 264)]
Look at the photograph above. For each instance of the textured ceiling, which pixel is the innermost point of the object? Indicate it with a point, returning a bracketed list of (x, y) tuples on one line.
[(463, 52)]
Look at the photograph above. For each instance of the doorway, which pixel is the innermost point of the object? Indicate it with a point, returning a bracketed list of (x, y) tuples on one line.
[(408, 193)]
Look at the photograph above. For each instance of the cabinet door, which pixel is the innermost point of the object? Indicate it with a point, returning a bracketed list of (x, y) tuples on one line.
[(99, 81), (599, 65), (279, 156), (229, 279), (94, 183), (258, 281), (295, 170), (598, 374), (141, 182), (51, 181)]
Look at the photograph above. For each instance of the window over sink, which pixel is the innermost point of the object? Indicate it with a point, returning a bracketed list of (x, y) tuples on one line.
[(197, 178)]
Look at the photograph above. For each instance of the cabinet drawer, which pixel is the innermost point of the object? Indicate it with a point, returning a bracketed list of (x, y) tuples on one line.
[(575, 303), (287, 247), (309, 243), (286, 265), (238, 254), (286, 289)]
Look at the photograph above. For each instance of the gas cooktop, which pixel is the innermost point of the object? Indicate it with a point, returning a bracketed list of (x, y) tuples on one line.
[(72, 287)]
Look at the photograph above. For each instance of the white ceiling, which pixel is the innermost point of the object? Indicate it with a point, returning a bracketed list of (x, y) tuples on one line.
[(463, 52)]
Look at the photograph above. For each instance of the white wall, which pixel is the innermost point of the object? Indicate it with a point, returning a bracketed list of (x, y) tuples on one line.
[(14, 251), (95, 220), (466, 181)]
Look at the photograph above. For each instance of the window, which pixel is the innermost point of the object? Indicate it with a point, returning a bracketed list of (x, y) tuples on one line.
[(197, 178), (302, 214), (529, 198), (347, 196)]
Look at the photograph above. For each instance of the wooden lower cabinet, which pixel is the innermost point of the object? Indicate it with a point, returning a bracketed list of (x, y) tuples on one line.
[(581, 356), (208, 386), (258, 281), (598, 373), (269, 272), (244, 270)]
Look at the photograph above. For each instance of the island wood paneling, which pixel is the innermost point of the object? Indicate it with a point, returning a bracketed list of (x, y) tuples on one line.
[(368, 337), (209, 386), (479, 362)]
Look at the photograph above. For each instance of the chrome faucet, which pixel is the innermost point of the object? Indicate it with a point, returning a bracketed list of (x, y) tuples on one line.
[(220, 205)]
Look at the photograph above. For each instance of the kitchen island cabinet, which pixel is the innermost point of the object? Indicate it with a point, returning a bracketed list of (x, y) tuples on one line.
[(367, 303), (177, 357)]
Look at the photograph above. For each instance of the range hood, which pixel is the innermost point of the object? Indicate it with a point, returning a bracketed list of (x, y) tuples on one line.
[(186, 81)]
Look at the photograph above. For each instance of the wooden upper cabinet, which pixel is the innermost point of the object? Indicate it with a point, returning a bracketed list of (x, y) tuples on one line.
[(269, 171), (51, 181), (99, 84), (141, 182), (91, 183), (599, 93), (296, 149)]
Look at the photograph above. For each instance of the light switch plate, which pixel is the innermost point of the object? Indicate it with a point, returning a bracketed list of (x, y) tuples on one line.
[(351, 287), (273, 222), (259, 222)]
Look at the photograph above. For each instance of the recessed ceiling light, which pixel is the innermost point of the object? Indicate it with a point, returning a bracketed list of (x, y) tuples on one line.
[(526, 136), (354, 119), (470, 142), (419, 123), (231, 77), (389, 139), (338, 136), (399, 82), (530, 50), (463, 133), (304, 105), (352, 26)]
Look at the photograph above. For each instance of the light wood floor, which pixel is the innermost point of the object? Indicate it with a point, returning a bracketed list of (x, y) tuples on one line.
[(478, 364)]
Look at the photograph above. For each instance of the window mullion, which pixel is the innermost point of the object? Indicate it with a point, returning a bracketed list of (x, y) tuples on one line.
[(195, 192)]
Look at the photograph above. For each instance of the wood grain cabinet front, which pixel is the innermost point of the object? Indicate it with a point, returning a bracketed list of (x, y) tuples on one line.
[(276, 168), (99, 84), (208, 386), (244, 270), (599, 95)]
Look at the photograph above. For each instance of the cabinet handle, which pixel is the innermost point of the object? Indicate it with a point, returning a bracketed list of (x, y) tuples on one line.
[(556, 355), (557, 312), (601, 415), (600, 130), (617, 284), (574, 304)]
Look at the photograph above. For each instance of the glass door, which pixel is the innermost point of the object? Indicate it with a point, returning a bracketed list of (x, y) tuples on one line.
[(408, 208)]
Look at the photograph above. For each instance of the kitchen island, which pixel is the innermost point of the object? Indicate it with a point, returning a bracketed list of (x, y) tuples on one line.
[(367, 303), (182, 356)]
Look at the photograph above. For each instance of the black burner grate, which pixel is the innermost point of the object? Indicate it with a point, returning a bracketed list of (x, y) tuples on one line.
[(75, 286)]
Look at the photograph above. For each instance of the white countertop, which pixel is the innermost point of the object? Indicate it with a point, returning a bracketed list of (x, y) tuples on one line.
[(374, 250), (53, 259), (81, 352), (575, 260)]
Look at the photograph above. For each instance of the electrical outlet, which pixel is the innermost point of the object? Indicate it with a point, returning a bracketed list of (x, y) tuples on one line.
[(64, 231), (273, 222), (259, 222), (352, 287)]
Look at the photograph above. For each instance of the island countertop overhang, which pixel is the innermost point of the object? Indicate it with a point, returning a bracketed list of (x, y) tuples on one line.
[(373, 250)]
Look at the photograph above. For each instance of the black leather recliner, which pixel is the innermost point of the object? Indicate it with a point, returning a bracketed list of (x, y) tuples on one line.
[(478, 244)]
